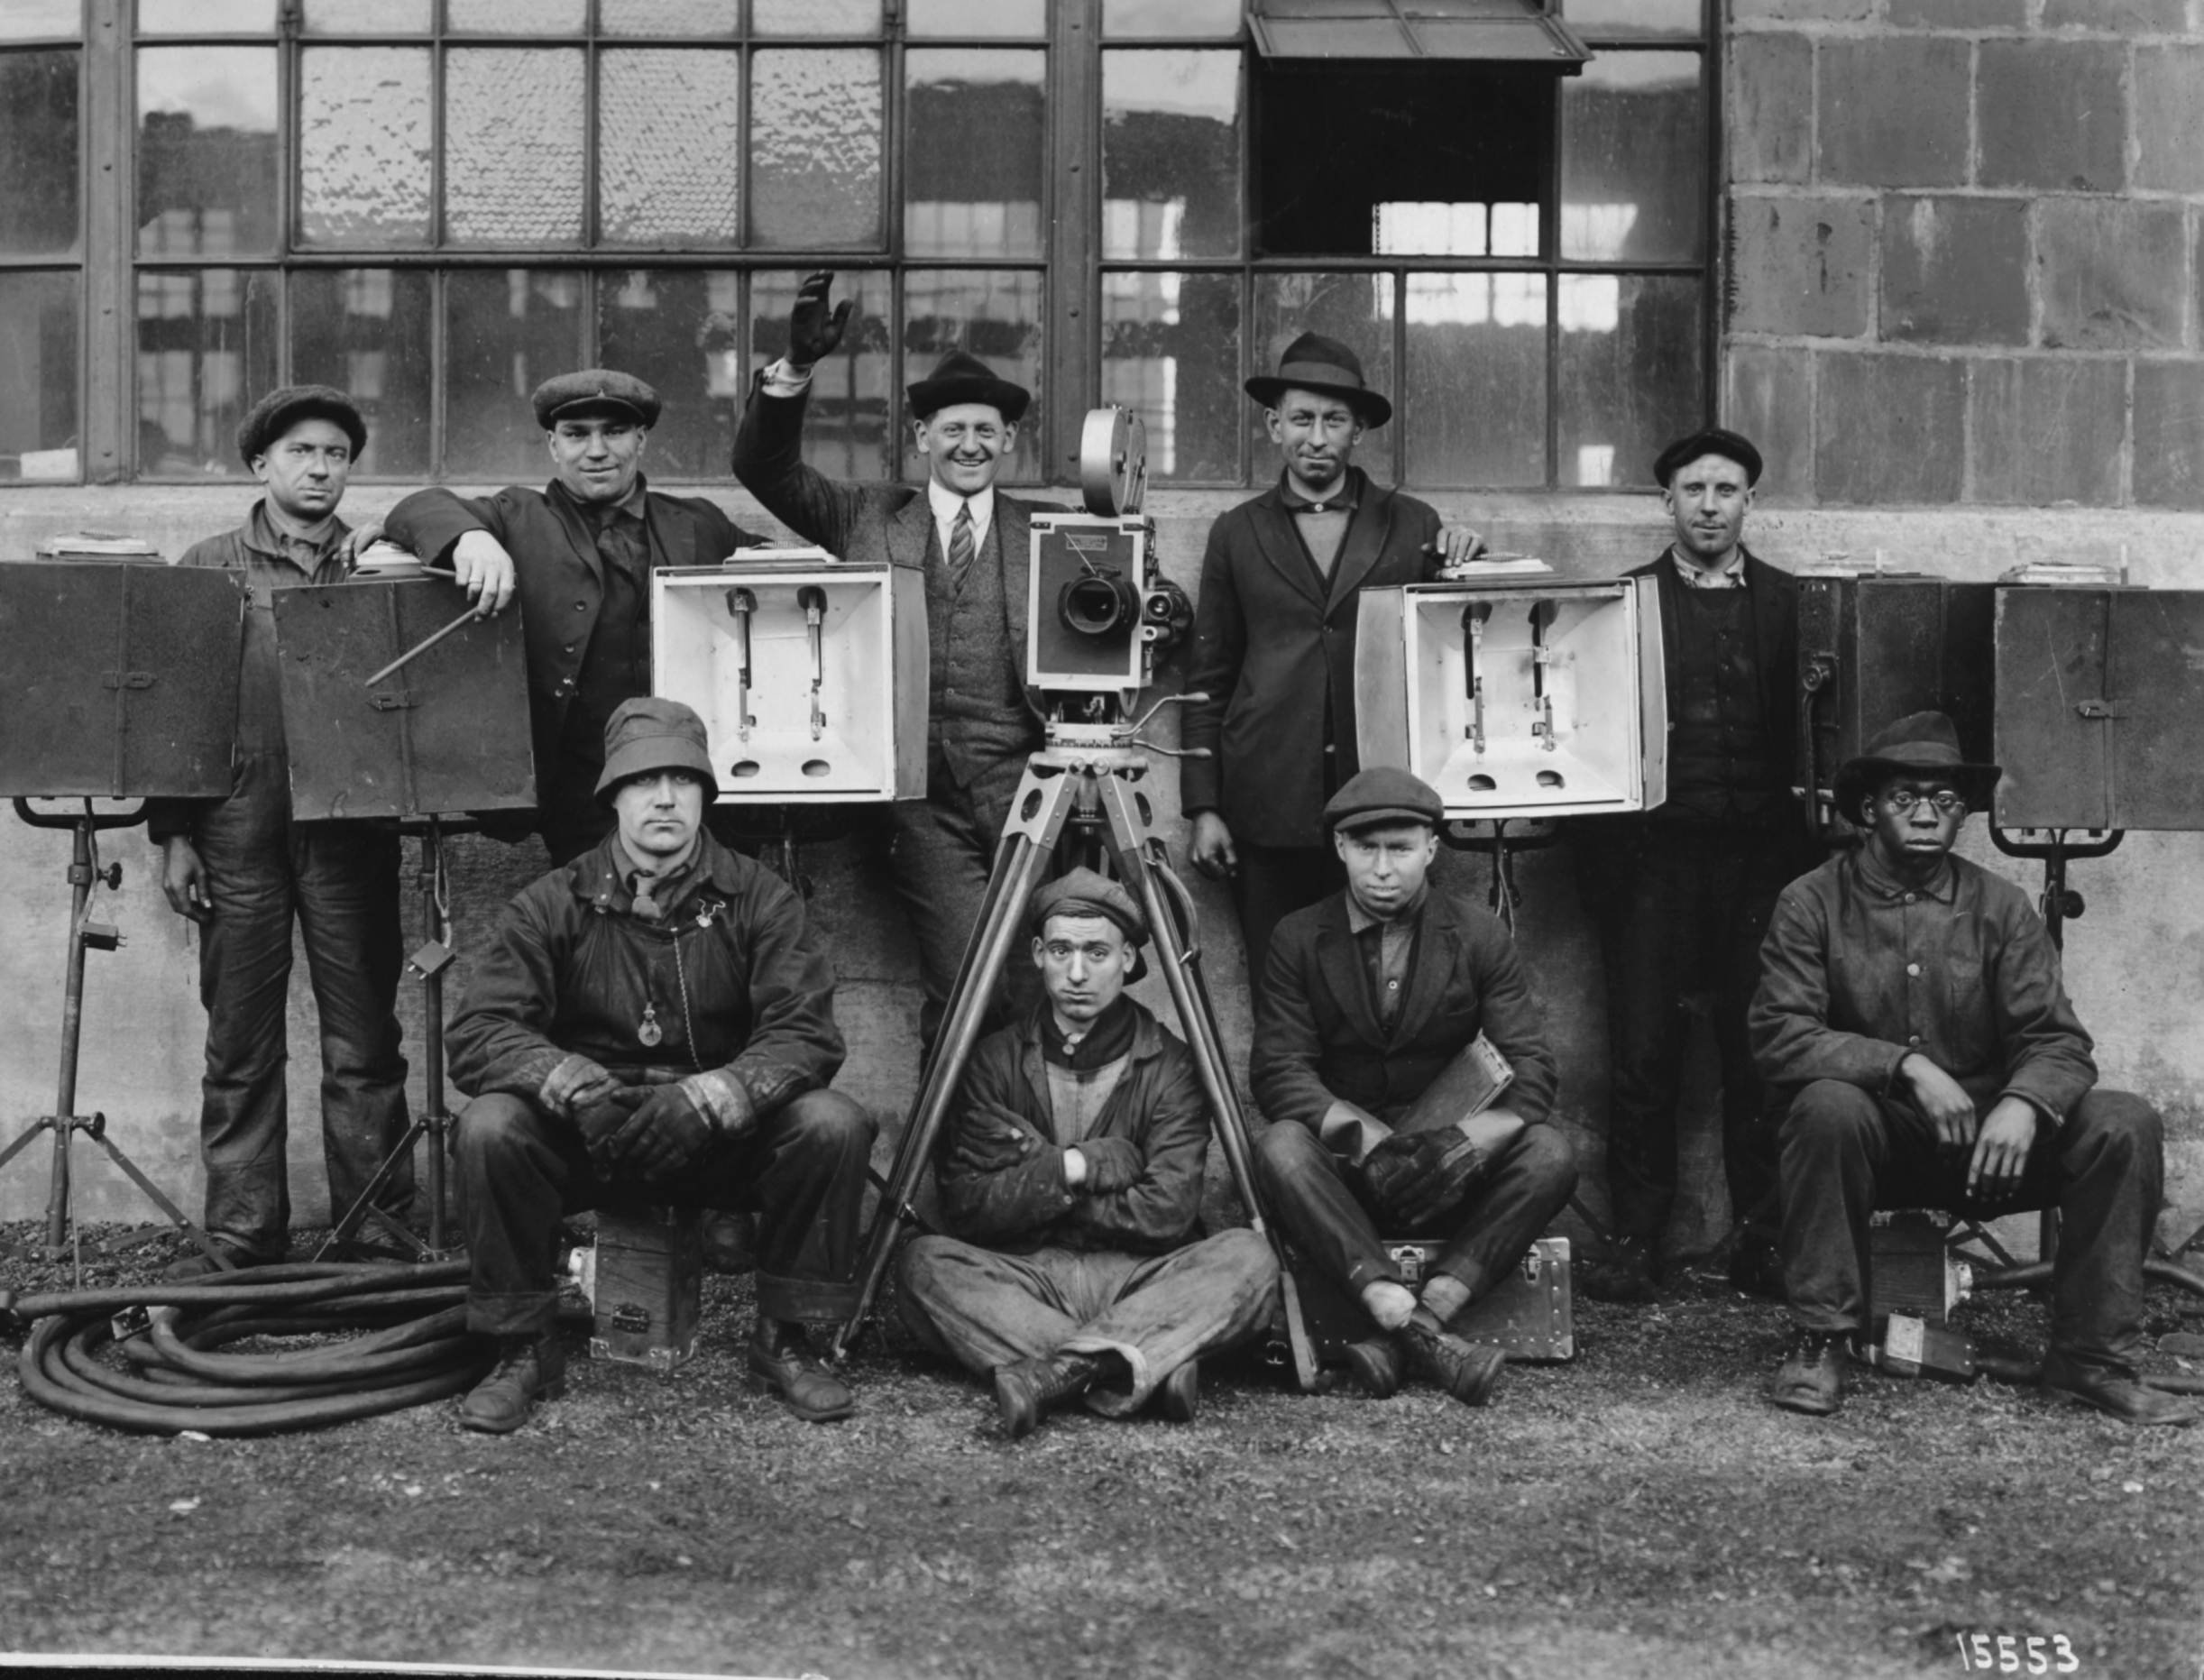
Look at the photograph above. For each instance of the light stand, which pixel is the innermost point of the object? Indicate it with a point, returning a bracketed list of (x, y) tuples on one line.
[(65, 1122)]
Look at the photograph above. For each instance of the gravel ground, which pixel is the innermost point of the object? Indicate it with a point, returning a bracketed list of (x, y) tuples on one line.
[(1641, 1511)]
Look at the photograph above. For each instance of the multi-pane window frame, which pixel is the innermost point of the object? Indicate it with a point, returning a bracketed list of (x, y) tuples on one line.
[(1386, 450), (88, 262), (597, 262)]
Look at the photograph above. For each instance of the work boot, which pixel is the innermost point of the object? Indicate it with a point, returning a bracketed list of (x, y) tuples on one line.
[(196, 1264), (1625, 1273), (527, 1367), (1810, 1379), (780, 1356), (1373, 1366), (1181, 1392), (1755, 1266), (1466, 1369), (2108, 1387), (1029, 1388)]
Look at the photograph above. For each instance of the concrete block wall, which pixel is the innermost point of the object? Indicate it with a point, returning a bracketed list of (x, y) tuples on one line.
[(1963, 249)]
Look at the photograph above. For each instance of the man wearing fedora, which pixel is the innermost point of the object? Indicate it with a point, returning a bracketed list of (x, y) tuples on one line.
[(654, 1021), (972, 543), (579, 553), (1682, 894), (1912, 1021), (244, 872), (1068, 1265), (1365, 1024), (1274, 644)]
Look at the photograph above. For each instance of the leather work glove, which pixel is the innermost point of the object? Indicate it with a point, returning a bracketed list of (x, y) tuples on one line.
[(989, 1139), (1415, 1176), (667, 1132), (1113, 1164), (601, 1119), (814, 331)]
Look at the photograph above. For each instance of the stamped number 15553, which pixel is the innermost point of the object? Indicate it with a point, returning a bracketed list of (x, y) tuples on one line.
[(2003, 1653)]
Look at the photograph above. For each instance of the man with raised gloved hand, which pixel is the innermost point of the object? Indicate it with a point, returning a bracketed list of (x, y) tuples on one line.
[(1365, 1028), (653, 1022)]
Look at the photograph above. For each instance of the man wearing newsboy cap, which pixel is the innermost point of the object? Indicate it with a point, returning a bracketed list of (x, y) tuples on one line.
[(1274, 644), (1071, 1180), (1913, 1025), (245, 873), (1682, 894), (579, 554), (972, 543), (1370, 1005), (654, 1021)]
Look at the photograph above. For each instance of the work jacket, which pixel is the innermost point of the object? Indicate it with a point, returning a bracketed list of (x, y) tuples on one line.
[(559, 573), (1273, 649), (1158, 1103), (1318, 1038), (1859, 971), (730, 976)]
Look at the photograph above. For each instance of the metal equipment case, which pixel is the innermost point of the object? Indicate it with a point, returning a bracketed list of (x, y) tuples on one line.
[(1522, 699), (810, 674), (1875, 647), (2101, 707), (1527, 1315), (449, 732), (649, 1286), (118, 680)]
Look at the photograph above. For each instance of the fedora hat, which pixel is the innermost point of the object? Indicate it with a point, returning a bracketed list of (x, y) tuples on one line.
[(1924, 743), (1314, 363), (962, 378)]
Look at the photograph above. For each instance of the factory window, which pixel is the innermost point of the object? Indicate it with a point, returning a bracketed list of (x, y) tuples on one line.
[(434, 203)]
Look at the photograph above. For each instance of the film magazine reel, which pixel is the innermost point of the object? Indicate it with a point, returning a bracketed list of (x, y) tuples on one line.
[(1113, 462)]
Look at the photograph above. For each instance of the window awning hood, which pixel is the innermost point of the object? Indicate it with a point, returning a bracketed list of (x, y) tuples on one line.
[(1520, 32)]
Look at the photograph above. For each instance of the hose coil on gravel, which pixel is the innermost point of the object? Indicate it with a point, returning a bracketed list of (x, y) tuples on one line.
[(405, 1344)]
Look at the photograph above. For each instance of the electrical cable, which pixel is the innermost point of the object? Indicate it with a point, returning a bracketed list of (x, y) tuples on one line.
[(410, 1345)]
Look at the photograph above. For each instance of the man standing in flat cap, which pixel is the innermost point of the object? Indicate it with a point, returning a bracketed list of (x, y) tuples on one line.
[(973, 545), (654, 1021), (1913, 1024), (1274, 638), (1371, 1004), (242, 871), (1682, 894), (1070, 1182), (579, 553)]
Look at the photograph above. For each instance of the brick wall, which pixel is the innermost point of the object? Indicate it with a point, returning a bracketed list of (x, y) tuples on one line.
[(1963, 262)]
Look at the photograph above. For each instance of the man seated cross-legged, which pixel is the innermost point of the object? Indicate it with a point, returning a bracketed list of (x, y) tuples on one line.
[(1070, 1183), (1369, 1001), (1912, 1020)]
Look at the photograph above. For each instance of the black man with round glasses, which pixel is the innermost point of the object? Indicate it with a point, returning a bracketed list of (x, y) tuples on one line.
[(1913, 1027)]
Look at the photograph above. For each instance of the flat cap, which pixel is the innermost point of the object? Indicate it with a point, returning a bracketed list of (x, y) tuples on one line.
[(960, 378), (594, 389), (1084, 893), (1383, 793), (1715, 440), (648, 735), (277, 412)]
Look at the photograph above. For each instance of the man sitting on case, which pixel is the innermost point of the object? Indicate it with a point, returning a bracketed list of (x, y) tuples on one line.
[(1912, 1017), (654, 1021), (1371, 1001), (1071, 1182)]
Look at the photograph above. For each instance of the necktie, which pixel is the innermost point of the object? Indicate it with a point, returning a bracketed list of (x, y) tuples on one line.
[(960, 546)]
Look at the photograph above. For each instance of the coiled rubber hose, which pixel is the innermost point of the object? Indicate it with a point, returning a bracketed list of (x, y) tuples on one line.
[(2029, 1276), (416, 1349)]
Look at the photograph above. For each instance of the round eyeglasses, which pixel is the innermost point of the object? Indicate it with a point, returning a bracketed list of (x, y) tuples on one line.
[(1947, 803)]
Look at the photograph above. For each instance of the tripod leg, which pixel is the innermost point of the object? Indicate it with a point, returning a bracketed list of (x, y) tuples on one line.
[(362, 1205), (205, 1243), (30, 1135)]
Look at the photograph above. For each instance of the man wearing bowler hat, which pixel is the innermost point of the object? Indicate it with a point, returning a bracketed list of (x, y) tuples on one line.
[(654, 1021), (972, 543), (1913, 1024), (579, 553), (1274, 638), (1070, 1180), (242, 871), (1370, 1003), (1682, 894)]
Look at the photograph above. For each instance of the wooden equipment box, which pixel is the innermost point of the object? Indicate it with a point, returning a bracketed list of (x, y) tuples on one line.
[(1526, 1315), (1911, 1271), (1522, 699), (810, 674), (649, 1286)]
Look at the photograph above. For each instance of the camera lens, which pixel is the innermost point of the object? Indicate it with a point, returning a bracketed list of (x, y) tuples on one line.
[(1097, 606)]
